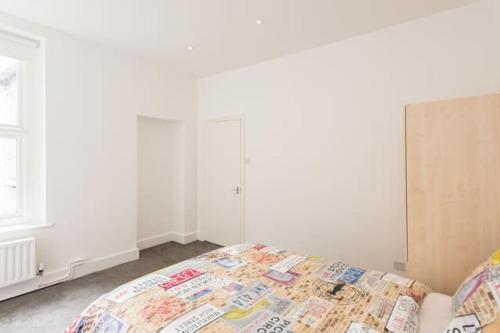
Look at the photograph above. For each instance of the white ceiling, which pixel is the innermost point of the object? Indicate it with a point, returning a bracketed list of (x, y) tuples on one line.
[(223, 33)]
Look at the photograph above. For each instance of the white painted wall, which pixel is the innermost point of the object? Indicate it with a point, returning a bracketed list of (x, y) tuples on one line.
[(160, 174), (94, 94), (325, 129)]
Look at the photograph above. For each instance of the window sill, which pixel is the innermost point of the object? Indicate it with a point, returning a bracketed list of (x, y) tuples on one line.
[(23, 227)]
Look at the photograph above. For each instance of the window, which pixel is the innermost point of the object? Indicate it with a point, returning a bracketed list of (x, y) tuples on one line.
[(21, 131), (9, 74), (9, 140), (9, 202)]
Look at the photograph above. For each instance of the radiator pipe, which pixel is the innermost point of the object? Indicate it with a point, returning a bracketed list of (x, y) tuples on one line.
[(69, 276)]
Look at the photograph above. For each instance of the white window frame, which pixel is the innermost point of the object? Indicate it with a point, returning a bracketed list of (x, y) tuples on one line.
[(30, 128)]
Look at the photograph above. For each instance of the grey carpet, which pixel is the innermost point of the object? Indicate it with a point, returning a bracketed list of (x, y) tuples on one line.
[(52, 309)]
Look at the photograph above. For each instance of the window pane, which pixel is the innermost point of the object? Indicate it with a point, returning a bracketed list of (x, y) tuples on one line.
[(9, 75), (8, 177)]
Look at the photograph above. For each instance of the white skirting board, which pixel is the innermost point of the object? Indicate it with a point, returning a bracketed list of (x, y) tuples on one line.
[(93, 265), (166, 237)]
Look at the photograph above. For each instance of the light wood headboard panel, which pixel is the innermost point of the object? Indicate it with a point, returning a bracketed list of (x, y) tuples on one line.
[(453, 188)]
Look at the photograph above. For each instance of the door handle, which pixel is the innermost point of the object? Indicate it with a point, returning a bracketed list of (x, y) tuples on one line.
[(236, 190)]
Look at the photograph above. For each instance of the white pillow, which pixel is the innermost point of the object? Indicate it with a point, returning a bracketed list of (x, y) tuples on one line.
[(435, 313)]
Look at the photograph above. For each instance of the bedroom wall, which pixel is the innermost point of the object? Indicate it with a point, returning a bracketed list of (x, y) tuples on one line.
[(325, 129), (160, 173), (94, 94)]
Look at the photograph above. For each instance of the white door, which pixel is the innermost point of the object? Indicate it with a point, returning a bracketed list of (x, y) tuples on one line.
[(221, 202)]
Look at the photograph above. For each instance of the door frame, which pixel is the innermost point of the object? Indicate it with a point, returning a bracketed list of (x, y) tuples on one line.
[(201, 128)]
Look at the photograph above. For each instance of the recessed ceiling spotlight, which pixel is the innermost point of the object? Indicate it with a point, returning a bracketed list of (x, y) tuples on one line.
[(258, 21), (189, 48)]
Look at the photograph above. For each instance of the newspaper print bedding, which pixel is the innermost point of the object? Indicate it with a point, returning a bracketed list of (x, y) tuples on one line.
[(255, 288), (476, 303)]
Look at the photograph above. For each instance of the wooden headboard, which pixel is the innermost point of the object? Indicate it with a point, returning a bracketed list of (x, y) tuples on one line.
[(453, 188)]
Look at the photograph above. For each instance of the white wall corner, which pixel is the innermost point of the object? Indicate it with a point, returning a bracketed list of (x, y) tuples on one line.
[(185, 238), (155, 240), (167, 237)]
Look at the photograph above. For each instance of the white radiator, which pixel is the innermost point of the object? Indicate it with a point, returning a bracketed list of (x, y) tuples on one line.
[(17, 261)]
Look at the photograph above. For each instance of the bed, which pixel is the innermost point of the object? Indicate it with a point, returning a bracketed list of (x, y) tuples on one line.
[(256, 288)]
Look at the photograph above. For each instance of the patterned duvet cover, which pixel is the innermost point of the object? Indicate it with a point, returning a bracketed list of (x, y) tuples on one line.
[(256, 288)]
